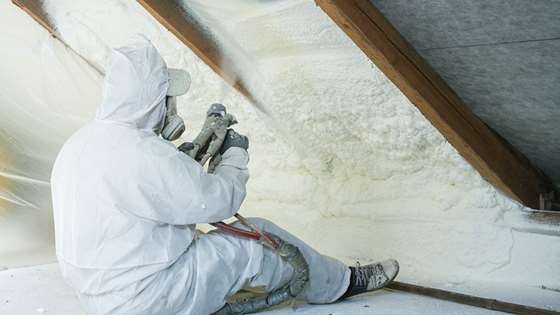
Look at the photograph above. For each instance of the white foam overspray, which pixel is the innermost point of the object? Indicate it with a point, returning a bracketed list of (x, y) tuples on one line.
[(213, 18), (197, 11), (370, 177)]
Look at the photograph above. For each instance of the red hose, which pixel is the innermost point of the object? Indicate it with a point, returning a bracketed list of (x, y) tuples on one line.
[(237, 231), (256, 234), (240, 232)]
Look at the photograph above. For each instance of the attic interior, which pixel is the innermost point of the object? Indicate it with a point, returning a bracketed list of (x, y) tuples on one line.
[(418, 130)]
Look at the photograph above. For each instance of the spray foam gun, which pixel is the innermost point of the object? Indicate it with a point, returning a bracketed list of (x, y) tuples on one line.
[(206, 146)]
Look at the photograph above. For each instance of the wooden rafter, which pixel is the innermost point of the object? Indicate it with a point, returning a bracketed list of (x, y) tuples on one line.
[(35, 9), (495, 159)]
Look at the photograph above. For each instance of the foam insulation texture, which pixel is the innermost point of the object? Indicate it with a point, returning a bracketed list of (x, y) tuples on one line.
[(339, 156)]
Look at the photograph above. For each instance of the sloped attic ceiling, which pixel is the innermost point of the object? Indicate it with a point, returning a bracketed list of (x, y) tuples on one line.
[(501, 57), (514, 188)]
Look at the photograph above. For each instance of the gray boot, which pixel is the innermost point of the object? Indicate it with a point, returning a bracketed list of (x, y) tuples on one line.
[(371, 277)]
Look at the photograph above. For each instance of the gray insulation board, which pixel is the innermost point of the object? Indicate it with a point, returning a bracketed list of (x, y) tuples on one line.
[(503, 59)]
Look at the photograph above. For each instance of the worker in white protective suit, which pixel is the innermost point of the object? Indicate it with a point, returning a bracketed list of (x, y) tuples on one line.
[(126, 202)]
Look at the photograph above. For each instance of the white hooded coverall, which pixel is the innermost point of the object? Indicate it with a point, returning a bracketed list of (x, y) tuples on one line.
[(126, 203)]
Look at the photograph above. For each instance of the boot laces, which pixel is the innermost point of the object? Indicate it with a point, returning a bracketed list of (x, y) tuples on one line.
[(368, 274)]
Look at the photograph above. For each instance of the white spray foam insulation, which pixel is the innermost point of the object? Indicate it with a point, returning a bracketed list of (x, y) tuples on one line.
[(345, 161)]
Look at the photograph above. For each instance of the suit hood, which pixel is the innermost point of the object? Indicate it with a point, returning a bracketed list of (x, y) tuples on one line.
[(135, 87)]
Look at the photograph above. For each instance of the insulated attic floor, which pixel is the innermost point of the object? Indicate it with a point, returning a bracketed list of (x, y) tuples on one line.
[(41, 290)]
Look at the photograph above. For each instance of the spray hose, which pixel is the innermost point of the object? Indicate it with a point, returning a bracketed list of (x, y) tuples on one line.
[(292, 255), (206, 147)]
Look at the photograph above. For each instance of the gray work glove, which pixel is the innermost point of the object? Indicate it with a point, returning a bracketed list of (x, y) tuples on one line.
[(186, 147), (233, 139)]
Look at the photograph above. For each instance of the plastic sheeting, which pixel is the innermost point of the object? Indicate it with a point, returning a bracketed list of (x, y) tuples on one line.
[(45, 94)]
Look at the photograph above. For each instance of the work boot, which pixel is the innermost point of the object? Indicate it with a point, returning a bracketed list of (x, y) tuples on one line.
[(371, 277)]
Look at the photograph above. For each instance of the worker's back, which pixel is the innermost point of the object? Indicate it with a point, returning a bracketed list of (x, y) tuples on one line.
[(100, 179), (115, 217)]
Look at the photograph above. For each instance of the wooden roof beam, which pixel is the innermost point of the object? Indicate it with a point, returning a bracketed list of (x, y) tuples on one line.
[(495, 159), (35, 9)]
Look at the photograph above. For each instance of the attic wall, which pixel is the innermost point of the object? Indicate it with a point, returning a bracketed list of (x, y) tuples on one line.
[(344, 161)]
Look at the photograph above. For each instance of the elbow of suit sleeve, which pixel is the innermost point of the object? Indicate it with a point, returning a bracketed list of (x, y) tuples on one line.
[(214, 199), (199, 197), (226, 188), (223, 195)]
